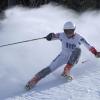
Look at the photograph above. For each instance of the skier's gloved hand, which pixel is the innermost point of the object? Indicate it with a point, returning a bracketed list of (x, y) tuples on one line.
[(95, 52), (50, 36), (98, 55)]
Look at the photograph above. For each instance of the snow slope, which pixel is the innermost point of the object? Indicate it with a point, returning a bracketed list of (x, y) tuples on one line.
[(84, 88), (19, 63)]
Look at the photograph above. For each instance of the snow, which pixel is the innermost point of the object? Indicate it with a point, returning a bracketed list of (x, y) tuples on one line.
[(18, 63), (83, 88)]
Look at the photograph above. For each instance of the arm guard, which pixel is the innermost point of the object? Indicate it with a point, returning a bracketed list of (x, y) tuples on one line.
[(93, 50)]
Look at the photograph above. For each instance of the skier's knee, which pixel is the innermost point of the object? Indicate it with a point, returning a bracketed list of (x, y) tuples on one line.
[(74, 56), (43, 72)]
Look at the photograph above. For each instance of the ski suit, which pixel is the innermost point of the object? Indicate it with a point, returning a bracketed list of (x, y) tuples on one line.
[(70, 52)]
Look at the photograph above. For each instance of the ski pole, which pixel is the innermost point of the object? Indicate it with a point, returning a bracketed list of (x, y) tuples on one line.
[(4, 45)]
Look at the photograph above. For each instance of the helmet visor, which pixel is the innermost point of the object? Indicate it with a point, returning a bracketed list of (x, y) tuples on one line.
[(69, 32)]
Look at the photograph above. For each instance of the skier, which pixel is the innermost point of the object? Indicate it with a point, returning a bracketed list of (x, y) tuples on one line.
[(69, 55)]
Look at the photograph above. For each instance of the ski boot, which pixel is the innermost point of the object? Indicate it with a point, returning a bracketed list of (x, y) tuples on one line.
[(68, 77), (32, 83), (66, 72)]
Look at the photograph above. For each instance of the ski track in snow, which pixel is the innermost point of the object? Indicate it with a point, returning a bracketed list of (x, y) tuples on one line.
[(19, 63)]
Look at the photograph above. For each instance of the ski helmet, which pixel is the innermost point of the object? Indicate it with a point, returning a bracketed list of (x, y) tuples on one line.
[(69, 25)]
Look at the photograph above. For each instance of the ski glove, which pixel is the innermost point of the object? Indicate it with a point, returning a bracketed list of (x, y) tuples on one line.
[(98, 55), (94, 51), (50, 36)]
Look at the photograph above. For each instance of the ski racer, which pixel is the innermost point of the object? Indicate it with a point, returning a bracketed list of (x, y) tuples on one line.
[(69, 55)]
